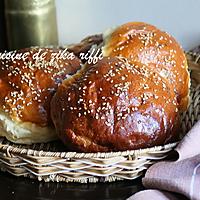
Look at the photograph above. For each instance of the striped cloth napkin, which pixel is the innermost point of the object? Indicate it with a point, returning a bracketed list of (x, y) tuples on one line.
[(175, 180)]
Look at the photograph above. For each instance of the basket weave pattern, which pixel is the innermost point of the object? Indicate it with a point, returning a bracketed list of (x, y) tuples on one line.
[(49, 162)]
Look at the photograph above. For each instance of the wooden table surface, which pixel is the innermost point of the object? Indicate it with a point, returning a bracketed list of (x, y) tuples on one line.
[(19, 188)]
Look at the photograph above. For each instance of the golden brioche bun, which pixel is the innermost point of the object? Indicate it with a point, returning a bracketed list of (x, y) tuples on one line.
[(27, 87), (141, 42), (114, 105)]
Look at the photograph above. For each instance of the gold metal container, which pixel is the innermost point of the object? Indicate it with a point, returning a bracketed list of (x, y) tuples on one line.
[(31, 23)]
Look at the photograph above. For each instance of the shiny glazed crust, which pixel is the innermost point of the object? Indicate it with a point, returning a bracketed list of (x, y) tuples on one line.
[(26, 91), (114, 105), (141, 42)]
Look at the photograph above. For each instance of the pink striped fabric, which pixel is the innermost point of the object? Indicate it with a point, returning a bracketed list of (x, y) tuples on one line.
[(180, 179)]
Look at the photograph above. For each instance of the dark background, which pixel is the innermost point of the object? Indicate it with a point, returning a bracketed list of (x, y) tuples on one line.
[(2, 27), (19, 188)]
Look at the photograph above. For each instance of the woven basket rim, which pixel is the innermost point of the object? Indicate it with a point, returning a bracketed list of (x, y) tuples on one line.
[(40, 153)]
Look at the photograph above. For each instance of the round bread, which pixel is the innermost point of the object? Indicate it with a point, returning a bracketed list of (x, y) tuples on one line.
[(156, 49), (27, 87), (114, 105)]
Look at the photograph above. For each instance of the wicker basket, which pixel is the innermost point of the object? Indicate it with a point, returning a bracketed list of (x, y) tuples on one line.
[(49, 162)]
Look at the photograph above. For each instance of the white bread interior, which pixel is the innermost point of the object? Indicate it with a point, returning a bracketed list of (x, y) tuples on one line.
[(24, 132)]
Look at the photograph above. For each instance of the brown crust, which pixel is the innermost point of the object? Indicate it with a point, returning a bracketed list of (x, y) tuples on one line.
[(85, 45), (114, 105), (156, 49), (28, 86)]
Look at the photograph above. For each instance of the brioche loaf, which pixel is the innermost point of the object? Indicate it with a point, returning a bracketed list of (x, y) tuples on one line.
[(27, 87)]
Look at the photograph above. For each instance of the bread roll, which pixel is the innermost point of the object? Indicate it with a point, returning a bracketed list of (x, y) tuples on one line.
[(27, 87), (115, 105), (156, 49)]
